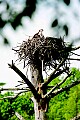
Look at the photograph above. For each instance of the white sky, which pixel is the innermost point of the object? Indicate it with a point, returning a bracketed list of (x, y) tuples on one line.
[(42, 19)]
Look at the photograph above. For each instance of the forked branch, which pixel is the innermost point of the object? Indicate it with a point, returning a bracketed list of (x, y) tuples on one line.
[(32, 88), (66, 88), (57, 85), (54, 74)]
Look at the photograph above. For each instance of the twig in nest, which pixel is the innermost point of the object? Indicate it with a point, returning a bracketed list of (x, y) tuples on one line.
[(50, 50)]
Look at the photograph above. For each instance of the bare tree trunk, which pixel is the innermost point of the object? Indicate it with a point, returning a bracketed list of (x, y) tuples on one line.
[(38, 109), (39, 114)]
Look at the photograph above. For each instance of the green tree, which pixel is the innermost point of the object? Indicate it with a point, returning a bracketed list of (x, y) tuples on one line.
[(41, 53), (22, 104), (64, 106)]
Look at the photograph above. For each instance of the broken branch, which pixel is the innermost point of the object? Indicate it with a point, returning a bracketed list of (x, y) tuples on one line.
[(32, 88)]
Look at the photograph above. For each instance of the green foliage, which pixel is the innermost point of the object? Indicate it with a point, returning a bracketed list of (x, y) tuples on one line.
[(23, 105), (6, 42), (2, 84), (67, 104), (65, 28), (55, 23), (67, 2), (62, 107), (5, 109), (74, 77)]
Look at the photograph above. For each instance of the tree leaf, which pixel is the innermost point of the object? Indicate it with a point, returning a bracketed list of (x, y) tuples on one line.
[(67, 2), (55, 23), (65, 28), (30, 7), (17, 21), (2, 22), (6, 42), (1, 84)]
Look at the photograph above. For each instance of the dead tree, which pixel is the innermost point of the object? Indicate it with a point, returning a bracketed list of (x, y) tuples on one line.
[(44, 54)]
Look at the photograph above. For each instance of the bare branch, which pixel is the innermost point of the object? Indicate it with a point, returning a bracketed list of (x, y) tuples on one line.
[(32, 88), (57, 85), (20, 85), (20, 93), (66, 88), (22, 82), (75, 48), (74, 59), (19, 116), (13, 89), (76, 118), (75, 54), (51, 86), (13, 97), (52, 76), (8, 97)]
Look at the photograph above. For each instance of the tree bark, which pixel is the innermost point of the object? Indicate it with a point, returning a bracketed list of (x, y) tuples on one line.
[(40, 104), (39, 113), (19, 116)]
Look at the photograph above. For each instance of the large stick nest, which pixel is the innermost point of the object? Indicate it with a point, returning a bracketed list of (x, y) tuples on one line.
[(50, 50)]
